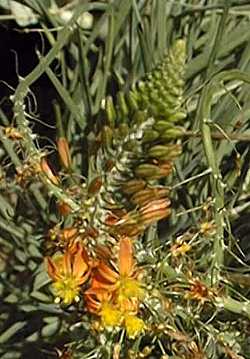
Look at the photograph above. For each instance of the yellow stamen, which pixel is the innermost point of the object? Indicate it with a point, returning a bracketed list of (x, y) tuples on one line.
[(134, 326)]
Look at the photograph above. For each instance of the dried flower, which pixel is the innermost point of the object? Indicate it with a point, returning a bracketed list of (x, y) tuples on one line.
[(180, 248), (199, 291), (208, 228)]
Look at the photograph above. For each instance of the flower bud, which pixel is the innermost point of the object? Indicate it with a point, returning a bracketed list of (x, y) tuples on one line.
[(155, 211), (107, 136), (48, 172), (95, 185), (143, 197), (122, 104), (133, 186), (172, 133), (176, 117), (64, 153), (63, 208), (110, 111)]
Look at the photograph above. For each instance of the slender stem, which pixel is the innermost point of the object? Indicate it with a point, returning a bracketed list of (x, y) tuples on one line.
[(216, 180), (234, 136), (23, 90)]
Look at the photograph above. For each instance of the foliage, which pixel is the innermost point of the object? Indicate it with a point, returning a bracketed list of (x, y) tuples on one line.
[(124, 234)]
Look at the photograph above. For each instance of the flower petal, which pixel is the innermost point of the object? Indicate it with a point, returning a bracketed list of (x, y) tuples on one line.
[(126, 261), (80, 266), (107, 273), (52, 269)]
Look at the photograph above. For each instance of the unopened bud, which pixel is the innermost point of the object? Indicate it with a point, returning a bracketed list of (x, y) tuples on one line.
[(48, 172), (172, 133), (155, 211), (107, 136), (122, 104), (133, 186), (178, 116), (149, 194), (110, 111), (150, 136), (64, 153), (63, 208), (95, 185), (165, 152)]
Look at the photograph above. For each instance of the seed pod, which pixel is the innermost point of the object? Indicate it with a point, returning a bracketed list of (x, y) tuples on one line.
[(64, 153), (139, 117), (133, 186), (48, 172), (122, 130), (132, 103)]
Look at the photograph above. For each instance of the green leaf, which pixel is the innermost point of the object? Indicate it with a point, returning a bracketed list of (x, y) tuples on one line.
[(12, 330)]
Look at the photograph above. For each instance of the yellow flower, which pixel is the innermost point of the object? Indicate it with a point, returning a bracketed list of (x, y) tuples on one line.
[(69, 271), (134, 326), (110, 316)]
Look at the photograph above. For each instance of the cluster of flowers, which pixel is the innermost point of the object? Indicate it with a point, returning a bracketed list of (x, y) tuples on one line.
[(112, 290)]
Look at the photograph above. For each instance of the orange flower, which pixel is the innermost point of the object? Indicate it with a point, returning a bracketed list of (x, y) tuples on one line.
[(122, 280), (69, 271), (115, 293), (95, 299)]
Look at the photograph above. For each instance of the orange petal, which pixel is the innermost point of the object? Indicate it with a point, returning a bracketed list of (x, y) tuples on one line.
[(52, 269), (107, 273), (67, 262), (126, 261)]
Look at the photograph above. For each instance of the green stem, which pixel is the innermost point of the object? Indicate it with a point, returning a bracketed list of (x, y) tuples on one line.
[(23, 90), (216, 181), (233, 136)]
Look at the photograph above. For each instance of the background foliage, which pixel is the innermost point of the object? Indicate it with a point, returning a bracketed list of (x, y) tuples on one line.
[(105, 48)]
